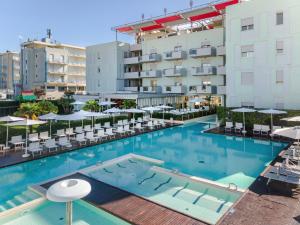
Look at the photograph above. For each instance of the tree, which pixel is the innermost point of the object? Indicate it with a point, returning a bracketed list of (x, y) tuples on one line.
[(28, 110), (64, 105), (46, 107), (129, 103), (91, 105)]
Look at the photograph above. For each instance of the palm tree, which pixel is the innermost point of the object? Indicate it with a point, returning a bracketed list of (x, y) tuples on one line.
[(28, 110), (64, 105), (91, 105), (46, 107), (129, 103)]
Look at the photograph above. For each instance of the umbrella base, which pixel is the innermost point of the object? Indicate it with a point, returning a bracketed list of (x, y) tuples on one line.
[(26, 155), (244, 131)]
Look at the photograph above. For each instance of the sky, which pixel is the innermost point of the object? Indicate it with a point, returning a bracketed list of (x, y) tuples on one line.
[(78, 22)]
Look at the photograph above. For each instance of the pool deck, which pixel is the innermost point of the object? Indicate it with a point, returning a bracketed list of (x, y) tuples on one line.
[(129, 207), (15, 157)]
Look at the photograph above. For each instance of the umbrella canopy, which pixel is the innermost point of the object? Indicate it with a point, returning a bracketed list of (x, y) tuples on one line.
[(290, 132), (9, 119), (151, 109), (50, 117), (272, 112), (77, 103), (244, 110), (71, 117), (113, 110), (134, 110), (164, 107), (292, 119), (107, 103), (27, 123)]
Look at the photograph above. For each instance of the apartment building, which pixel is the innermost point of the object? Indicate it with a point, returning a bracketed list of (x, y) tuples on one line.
[(175, 58), (53, 68), (263, 51), (10, 79)]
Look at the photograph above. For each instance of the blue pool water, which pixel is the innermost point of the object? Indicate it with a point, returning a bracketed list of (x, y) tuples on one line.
[(185, 148)]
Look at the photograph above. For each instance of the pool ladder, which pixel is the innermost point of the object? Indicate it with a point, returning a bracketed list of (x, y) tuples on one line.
[(232, 186)]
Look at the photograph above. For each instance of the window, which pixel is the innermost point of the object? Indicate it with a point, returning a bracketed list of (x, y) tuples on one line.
[(279, 76), (247, 51), (247, 24), (247, 78), (193, 88), (99, 69), (62, 58), (279, 18), (51, 57), (177, 48), (279, 47)]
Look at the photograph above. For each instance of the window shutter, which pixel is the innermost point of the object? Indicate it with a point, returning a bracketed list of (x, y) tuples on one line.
[(247, 21)]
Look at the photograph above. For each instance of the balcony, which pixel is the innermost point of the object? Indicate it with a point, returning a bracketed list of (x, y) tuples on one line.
[(174, 72), (77, 64), (56, 73), (56, 62), (221, 70), (202, 52), (206, 89), (154, 57), (75, 74), (131, 60), (135, 47), (151, 74), (77, 55), (174, 55), (132, 75), (203, 71), (174, 89), (150, 89), (221, 90), (221, 50), (134, 89)]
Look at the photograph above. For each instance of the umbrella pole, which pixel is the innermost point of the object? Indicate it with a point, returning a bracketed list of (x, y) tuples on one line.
[(82, 123), (69, 213), (50, 128), (25, 155), (69, 129), (271, 123), (244, 125), (6, 134)]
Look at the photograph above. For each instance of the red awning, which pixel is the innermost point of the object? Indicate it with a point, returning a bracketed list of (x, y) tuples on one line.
[(152, 27), (223, 5), (168, 19), (124, 29), (204, 16)]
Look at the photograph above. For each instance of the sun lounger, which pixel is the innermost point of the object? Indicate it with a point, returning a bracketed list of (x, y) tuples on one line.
[(35, 148), (91, 138), (4, 149), (87, 128), (150, 125), (69, 132), (120, 131), (17, 142), (101, 135), (110, 133), (44, 136), (51, 144), (63, 142), (162, 122), (125, 122), (33, 137), (106, 125), (97, 126), (278, 174), (132, 121), (78, 130), (228, 126), (60, 133), (238, 128), (140, 120), (80, 139), (256, 129), (128, 130), (265, 130), (139, 127)]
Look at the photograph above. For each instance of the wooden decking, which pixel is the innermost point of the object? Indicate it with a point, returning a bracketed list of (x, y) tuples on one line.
[(129, 207)]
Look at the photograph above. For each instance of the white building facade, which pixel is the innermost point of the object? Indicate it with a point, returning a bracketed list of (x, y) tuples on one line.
[(262, 53), (53, 68)]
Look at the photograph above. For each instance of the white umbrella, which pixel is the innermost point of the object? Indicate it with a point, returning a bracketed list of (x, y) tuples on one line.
[(113, 111), (107, 103), (244, 110), (77, 103), (134, 110), (151, 109), (164, 107), (292, 119), (27, 123), (290, 132), (9, 119), (50, 117), (90, 114), (272, 112), (71, 117), (68, 191)]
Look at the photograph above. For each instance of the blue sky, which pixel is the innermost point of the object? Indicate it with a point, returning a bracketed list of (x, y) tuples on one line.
[(80, 22)]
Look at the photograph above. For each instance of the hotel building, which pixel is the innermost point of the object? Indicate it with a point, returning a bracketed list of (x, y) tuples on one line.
[(10, 79), (53, 68), (238, 53)]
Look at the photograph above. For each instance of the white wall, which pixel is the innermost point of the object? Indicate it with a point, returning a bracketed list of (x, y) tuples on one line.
[(109, 58), (265, 92)]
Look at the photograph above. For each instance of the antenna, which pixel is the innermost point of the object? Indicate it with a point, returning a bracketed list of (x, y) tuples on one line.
[(191, 4), (49, 33), (143, 16), (165, 11)]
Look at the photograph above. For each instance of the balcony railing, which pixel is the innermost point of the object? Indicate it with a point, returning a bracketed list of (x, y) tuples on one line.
[(221, 90), (174, 72), (57, 72), (207, 51), (150, 73), (203, 70), (131, 60), (174, 89), (221, 70), (134, 89), (149, 89), (221, 50), (135, 47), (174, 55), (154, 57), (59, 62), (132, 75)]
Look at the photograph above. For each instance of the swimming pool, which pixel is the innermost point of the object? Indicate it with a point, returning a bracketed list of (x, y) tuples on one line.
[(83, 214), (197, 198), (215, 157)]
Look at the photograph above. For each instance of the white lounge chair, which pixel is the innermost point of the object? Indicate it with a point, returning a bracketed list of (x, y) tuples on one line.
[(70, 132), (33, 137), (132, 121), (63, 142), (128, 130), (162, 122), (44, 136), (106, 125), (228, 127), (109, 132), (51, 144), (139, 127), (140, 120), (256, 129), (101, 135), (34, 147), (78, 130), (4, 149), (80, 139), (238, 128), (120, 123), (17, 142), (283, 175), (97, 126), (60, 133), (120, 131), (265, 130), (125, 122), (150, 125), (91, 138), (156, 123), (87, 128), (171, 120)]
